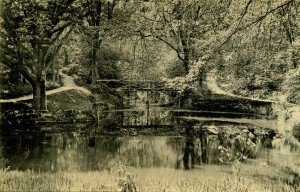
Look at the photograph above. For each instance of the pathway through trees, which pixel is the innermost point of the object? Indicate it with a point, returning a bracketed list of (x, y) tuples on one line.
[(68, 84), (211, 81)]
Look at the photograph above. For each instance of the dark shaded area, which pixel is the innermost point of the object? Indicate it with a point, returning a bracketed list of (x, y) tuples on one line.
[(296, 131), (84, 148), (12, 120), (214, 102)]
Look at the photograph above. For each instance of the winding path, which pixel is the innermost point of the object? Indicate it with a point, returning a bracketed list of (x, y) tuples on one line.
[(68, 84), (211, 81), (288, 110)]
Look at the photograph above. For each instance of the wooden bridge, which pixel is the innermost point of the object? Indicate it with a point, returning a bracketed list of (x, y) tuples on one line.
[(211, 102), (130, 88), (136, 84)]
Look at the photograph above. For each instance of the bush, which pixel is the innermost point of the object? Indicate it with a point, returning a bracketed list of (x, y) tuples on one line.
[(296, 131), (73, 69), (175, 70), (9, 91), (13, 91)]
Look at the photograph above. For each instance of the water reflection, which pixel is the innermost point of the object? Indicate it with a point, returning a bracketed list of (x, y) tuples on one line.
[(135, 118), (196, 144), (58, 152), (74, 151)]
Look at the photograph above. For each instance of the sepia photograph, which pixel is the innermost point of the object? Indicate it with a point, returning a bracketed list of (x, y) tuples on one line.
[(150, 95)]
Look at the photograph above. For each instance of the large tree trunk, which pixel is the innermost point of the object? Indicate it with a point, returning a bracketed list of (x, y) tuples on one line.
[(53, 73), (186, 62), (66, 62), (94, 73), (39, 94), (96, 45), (43, 98), (94, 68), (186, 52), (95, 22)]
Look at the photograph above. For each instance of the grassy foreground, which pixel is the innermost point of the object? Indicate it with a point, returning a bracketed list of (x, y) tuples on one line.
[(145, 180)]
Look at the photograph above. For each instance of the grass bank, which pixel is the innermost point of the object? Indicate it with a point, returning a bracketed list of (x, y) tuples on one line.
[(10, 91), (65, 100), (149, 179), (70, 99)]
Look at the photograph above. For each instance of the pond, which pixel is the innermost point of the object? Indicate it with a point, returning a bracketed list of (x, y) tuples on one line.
[(152, 139)]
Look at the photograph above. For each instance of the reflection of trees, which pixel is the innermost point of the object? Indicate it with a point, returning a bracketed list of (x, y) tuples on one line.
[(201, 146), (70, 150), (176, 143), (79, 156), (58, 151), (106, 151), (147, 152), (109, 121), (142, 117), (18, 150)]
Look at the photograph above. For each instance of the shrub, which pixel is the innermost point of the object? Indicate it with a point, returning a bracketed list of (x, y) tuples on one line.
[(13, 90)]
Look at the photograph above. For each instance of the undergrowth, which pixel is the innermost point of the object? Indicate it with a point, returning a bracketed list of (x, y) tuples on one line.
[(120, 179)]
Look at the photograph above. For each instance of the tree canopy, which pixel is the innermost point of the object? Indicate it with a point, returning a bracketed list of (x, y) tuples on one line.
[(254, 42)]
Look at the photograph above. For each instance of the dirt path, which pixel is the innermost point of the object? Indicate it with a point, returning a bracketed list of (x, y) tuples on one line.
[(288, 114), (211, 81), (68, 84)]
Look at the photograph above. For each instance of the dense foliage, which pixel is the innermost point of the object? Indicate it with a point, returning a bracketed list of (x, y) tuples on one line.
[(252, 43)]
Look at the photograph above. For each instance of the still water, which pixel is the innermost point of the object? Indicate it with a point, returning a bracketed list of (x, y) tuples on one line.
[(190, 146), (71, 152)]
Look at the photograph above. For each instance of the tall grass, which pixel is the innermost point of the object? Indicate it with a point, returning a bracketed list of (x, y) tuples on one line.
[(148, 180), (30, 181)]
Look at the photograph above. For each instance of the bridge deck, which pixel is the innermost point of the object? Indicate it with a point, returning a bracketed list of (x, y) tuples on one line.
[(143, 85), (127, 80)]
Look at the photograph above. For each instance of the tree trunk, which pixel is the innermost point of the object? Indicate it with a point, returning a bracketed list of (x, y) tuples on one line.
[(43, 99), (66, 62), (53, 73), (94, 73), (186, 62), (201, 76), (186, 52), (109, 11), (96, 45), (39, 95), (36, 95), (95, 22)]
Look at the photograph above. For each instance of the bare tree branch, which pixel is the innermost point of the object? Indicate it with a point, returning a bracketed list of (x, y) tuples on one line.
[(171, 46), (56, 50), (265, 15), (259, 19), (237, 27)]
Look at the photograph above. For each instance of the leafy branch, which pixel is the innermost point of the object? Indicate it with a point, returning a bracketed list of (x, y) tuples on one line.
[(259, 19)]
